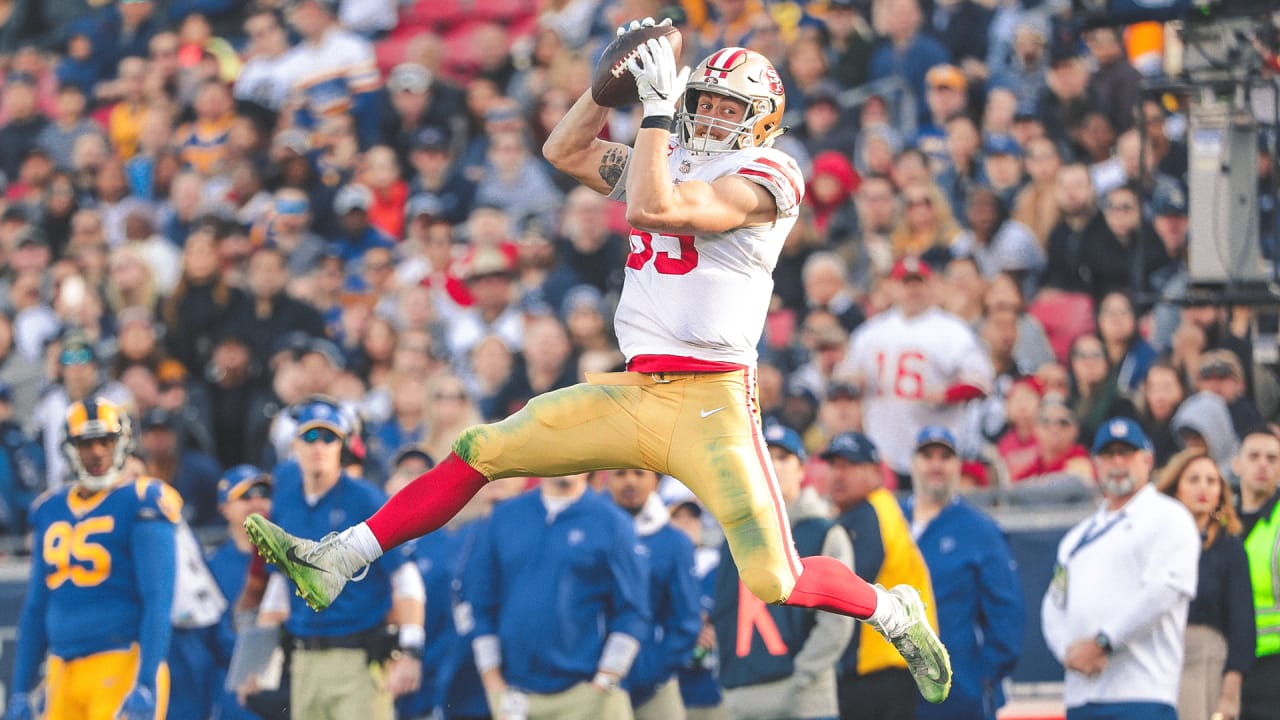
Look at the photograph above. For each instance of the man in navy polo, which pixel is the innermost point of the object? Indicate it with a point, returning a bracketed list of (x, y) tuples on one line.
[(338, 672)]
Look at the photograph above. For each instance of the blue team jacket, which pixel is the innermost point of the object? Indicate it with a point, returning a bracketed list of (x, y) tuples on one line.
[(676, 610), (980, 607), (553, 590)]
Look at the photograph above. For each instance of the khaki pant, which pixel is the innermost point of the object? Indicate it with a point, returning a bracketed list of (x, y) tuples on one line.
[(665, 704), (1202, 665), (338, 684), (701, 428), (719, 712), (583, 701)]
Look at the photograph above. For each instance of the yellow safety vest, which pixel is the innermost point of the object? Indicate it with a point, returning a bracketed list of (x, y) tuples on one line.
[(1263, 549)]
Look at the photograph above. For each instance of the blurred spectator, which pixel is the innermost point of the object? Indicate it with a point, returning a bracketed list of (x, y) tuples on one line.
[(124, 122), (514, 182), (408, 422), (489, 278), (21, 467), (1018, 444), (1158, 399), (1023, 70), (271, 313), (877, 206), (974, 576), (827, 288), (1076, 250), (201, 302), (1036, 204), (242, 490), (79, 378), (790, 670), (59, 137), (905, 52), (520, 641), (1203, 422), (1258, 468), (673, 596), (24, 125), (330, 71), (961, 25), (962, 290), (1065, 96), (1220, 629), (1127, 351), (1115, 85), (1220, 372), (1095, 395), (852, 41), (356, 234), (1058, 445), (873, 680), (435, 175), (918, 364), (927, 225), (259, 83), (544, 364), (23, 377), (202, 144), (188, 470), (1115, 611), (450, 410)]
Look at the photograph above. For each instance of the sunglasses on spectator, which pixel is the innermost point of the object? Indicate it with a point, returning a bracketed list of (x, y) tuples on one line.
[(257, 490), (1087, 354), (449, 396), (320, 435), (917, 202)]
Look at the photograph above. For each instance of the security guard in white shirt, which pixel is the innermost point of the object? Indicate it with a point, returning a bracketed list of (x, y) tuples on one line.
[(1116, 611)]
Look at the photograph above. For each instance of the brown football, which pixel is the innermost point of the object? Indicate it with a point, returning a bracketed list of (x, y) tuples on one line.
[(613, 84)]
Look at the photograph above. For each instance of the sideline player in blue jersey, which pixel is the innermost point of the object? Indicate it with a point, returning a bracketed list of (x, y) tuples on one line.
[(102, 580)]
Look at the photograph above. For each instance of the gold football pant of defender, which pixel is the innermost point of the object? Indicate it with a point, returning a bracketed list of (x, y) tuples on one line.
[(701, 428), (93, 687)]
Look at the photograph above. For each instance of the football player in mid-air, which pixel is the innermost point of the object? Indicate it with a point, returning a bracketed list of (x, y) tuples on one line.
[(710, 206), (102, 579)]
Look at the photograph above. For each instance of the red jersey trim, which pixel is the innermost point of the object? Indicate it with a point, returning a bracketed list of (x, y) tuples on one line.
[(678, 363)]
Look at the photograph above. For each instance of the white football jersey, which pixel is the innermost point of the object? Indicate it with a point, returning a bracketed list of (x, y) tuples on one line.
[(904, 359), (706, 296)]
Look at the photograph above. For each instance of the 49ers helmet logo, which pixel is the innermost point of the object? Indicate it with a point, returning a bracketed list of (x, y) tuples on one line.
[(772, 80)]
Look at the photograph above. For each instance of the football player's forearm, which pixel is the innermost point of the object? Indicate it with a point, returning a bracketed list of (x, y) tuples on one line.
[(573, 137), (155, 560)]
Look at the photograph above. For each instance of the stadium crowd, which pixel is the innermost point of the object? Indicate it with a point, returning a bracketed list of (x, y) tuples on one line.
[(213, 212)]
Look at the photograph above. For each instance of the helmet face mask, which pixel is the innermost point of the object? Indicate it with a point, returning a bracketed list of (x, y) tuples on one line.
[(745, 76), (90, 420)]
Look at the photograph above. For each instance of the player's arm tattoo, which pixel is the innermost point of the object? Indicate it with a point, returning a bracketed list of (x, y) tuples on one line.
[(613, 165)]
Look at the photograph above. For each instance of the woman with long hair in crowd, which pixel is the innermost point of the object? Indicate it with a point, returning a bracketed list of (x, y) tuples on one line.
[(927, 222), (1127, 351), (1220, 635), (1094, 395), (194, 311), (1158, 398)]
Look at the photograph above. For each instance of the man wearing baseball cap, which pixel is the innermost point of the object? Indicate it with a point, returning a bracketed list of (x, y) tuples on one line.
[(980, 608), (1115, 612), (873, 679), (340, 669), (801, 682)]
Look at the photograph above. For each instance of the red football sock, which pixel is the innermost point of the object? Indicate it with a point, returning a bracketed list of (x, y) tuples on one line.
[(828, 584), (426, 503)]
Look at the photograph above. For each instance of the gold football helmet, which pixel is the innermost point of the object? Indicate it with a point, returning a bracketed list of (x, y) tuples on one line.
[(91, 420), (743, 75)]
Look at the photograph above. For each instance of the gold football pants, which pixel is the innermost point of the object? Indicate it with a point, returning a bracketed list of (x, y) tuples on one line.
[(701, 428)]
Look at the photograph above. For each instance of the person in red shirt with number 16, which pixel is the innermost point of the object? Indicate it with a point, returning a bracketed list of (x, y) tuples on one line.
[(710, 205)]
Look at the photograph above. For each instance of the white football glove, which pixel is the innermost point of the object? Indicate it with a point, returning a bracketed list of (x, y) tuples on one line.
[(637, 24), (658, 83)]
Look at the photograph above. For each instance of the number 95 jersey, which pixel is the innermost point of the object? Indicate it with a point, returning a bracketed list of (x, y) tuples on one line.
[(84, 557), (706, 296)]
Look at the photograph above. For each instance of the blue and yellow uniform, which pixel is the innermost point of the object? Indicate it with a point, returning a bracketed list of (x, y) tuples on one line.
[(100, 596)]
